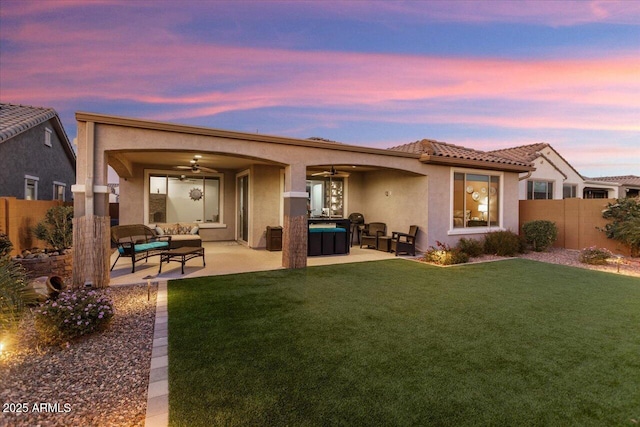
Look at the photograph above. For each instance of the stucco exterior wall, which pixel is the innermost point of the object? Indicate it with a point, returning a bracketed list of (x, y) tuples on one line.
[(265, 205), (354, 200), (441, 212), (397, 199), (27, 154)]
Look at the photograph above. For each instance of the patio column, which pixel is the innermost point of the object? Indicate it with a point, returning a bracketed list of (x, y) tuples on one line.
[(294, 239), (91, 222)]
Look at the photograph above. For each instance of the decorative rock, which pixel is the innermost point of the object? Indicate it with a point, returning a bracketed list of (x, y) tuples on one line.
[(109, 389)]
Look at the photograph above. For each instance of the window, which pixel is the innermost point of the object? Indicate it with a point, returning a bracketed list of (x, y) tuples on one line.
[(184, 198), (326, 197), (59, 190), (595, 193), (31, 187), (569, 191), (538, 190), (47, 137), (476, 200)]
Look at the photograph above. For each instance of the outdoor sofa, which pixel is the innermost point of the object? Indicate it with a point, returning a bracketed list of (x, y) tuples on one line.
[(138, 242), (182, 234)]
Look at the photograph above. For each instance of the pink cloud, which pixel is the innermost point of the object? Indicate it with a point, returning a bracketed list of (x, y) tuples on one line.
[(549, 12), (140, 61)]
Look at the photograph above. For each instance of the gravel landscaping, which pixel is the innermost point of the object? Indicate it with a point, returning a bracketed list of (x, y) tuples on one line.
[(102, 379), (99, 380), (626, 265)]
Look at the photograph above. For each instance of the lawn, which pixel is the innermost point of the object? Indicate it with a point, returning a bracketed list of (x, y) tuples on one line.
[(399, 343)]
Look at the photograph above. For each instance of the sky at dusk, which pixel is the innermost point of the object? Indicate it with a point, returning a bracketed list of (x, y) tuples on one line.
[(482, 74)]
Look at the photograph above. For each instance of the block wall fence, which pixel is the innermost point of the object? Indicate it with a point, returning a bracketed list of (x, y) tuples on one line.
[(18, 216), (577, 220)]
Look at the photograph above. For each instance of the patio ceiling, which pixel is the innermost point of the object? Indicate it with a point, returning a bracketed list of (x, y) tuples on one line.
[(121, 161)]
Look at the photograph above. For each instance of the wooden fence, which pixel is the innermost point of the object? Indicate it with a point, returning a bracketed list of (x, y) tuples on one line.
[(18, 217), (577, 220)]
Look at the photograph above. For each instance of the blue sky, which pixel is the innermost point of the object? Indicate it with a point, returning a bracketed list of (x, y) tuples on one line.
[(485, 75)]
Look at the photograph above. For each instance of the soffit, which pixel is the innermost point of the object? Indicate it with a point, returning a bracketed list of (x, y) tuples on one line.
[(170, 159)]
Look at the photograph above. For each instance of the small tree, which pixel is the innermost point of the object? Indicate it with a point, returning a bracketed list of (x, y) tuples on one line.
[(57, 227), (540, 234), (624, 222)]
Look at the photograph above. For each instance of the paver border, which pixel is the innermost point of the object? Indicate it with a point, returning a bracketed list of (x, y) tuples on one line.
[(158, 391)]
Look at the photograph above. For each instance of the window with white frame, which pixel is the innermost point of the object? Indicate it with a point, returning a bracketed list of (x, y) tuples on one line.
[(31, 187), (184, 198), (47, 137), (569, 191), (59, 190), (539, 190), (476, 200)]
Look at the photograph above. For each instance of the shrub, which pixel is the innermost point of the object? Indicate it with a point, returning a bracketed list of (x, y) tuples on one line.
[(624, 225), (540, 234), (12, 284), (5, 245), (445, 255), (73, 314), (594, 256), (471, 247), (56, 228), (503, 243)]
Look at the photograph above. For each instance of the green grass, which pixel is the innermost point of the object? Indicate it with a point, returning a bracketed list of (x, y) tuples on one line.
[(402, 343)]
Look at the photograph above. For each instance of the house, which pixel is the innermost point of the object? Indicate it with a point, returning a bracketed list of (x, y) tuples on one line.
[(235, 184), (628, 185), (37, 161), (553, 177)]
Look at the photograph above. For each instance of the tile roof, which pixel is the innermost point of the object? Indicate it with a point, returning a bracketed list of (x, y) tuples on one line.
[(15, 119), (623, 180), (523, 153), (528, 153), (444, 150)]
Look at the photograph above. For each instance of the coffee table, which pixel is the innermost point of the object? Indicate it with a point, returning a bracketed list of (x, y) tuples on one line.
[(181, 255)]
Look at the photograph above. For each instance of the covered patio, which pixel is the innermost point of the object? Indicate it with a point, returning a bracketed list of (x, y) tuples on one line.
[(233, 186), (227, 257), (245, 183)]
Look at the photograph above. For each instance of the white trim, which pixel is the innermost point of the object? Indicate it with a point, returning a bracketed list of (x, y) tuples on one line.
[(281, 201), (81, 188), (47, 137), (473, 230), (239, 175), (220, 176), (57, 184), (34, 179), (295, 195)]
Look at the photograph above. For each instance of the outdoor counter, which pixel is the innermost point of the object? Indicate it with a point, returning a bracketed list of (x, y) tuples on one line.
[(328, 236)]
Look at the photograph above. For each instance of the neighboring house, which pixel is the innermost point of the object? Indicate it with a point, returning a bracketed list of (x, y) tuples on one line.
[(236, 184), (628, 185), (37, 161), (553, 177)]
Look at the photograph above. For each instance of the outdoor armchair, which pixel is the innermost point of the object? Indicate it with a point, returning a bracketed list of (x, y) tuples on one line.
[(404, 242)]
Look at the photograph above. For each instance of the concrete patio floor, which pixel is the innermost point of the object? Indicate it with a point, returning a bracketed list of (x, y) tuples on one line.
[(226, 258)]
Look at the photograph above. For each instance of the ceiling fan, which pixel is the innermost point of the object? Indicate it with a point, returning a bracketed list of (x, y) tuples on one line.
[(195, 167), (333, 172)]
